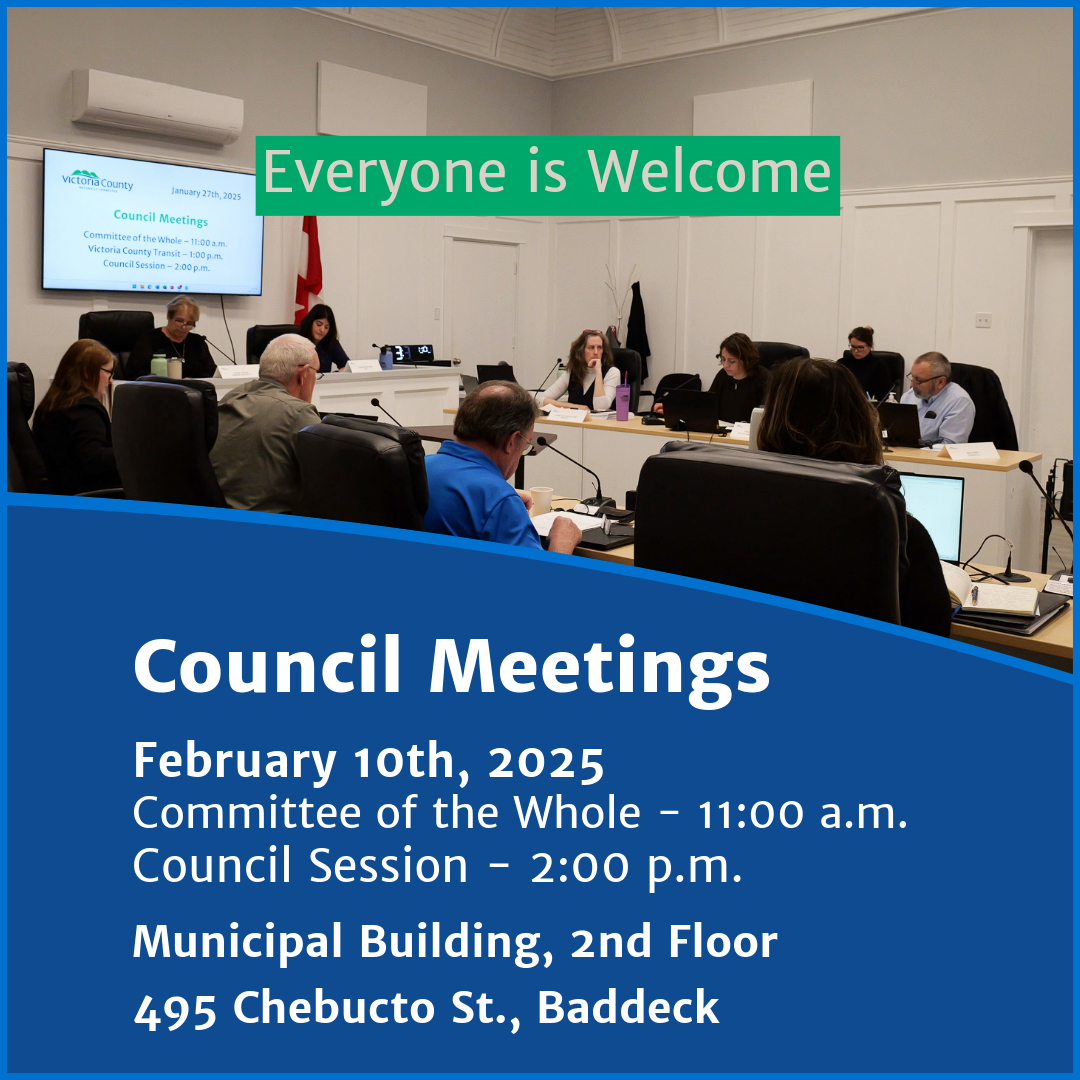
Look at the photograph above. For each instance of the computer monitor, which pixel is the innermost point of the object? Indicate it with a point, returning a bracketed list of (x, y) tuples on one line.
[(938, 502)]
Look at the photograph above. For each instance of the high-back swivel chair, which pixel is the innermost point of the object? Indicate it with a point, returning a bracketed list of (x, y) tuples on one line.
[(118, 331), (364, 471), (818, 531), (628, 361), (163, 432), (774, 353), (260, 335), (993, 417), (26, 468)]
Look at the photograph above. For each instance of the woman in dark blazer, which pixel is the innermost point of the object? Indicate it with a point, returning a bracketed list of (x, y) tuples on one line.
[(817, 409), (320, 327), (175, 341), (72, 427)]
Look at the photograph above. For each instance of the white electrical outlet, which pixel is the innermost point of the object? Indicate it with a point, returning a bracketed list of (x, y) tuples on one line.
[(436, 314), (982, 320)]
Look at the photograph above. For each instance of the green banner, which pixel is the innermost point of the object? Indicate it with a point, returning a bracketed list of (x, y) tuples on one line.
[(397, 176)]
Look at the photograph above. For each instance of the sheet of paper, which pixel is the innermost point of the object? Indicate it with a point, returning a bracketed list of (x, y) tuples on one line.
[(543, 522)]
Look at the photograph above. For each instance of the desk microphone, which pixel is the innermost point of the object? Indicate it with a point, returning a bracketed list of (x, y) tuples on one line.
[(375, 402), (543, 381), (600, 499), (1008, 574), (1027, 467)]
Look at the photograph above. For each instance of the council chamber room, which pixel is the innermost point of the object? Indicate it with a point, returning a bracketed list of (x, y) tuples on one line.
[(834, 409)]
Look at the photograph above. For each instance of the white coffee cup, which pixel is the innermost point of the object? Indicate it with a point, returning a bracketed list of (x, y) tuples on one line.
[(541, 497)]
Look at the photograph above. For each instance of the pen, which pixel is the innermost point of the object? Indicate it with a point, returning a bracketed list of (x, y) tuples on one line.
[(974, 595)]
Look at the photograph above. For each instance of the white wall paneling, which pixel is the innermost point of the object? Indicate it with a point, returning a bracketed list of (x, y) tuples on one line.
[(649, 253), (582, 301), (482, 302)]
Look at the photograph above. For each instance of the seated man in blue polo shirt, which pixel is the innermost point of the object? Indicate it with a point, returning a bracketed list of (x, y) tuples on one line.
[(468, 490), (946, 411)]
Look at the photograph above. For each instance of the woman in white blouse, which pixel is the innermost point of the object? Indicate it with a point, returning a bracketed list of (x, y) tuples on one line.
[(590, 353)]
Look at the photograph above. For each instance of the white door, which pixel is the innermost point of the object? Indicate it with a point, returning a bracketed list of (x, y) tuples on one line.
[(1050, 393), (483, 303)]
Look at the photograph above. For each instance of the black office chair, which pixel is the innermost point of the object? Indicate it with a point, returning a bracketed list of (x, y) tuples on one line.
[(118, 331), (355, 470), (26, 468), (628, 361), (993, 417), (818, 531), (773, 353), (895, 363), (163, 431), (679, 380), (260, 335)]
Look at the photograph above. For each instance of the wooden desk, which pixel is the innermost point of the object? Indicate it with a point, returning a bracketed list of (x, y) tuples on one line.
[(998, 498), (1052, 645)]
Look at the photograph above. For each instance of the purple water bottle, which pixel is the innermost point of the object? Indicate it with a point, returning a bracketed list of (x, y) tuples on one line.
[(622, 400)]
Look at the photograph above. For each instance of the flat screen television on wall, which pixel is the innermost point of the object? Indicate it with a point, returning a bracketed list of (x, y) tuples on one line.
[(124, 225)]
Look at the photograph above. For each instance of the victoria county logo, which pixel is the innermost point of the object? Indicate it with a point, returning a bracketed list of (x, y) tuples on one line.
[(88, 179)]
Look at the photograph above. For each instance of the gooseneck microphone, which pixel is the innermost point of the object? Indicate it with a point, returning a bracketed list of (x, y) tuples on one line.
[(1027, 467), (375, 401), (543, 381), (599, 499)]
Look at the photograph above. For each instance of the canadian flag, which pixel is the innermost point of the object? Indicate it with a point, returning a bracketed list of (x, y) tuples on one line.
[(309, 272)]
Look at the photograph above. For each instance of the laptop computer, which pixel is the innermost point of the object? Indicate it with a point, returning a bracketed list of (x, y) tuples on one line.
[(693, 410), (489, 372), (899, 424), (469, 383), (938, 502)]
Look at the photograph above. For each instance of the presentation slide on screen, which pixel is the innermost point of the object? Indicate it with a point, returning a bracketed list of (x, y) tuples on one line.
[(136, 226), (438, 821)]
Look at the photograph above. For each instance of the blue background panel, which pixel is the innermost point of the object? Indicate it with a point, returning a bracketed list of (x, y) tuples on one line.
[(942, 946)]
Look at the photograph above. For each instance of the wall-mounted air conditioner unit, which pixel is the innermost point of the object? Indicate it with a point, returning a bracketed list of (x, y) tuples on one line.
[(119, 101)]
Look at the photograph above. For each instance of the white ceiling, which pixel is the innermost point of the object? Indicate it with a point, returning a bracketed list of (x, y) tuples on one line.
[(557, 42)]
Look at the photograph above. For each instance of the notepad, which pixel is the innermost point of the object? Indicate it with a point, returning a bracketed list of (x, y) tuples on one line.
[(999, 599)]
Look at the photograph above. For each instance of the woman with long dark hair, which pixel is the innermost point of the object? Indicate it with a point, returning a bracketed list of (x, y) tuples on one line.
[(590, 378), (817, 409), (72, 428), (320, 326)]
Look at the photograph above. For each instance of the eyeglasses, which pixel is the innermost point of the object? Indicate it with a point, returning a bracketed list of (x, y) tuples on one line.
[(182, 322), (919, 382), (858, 348), (107, 371)]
